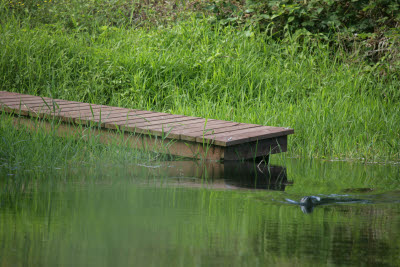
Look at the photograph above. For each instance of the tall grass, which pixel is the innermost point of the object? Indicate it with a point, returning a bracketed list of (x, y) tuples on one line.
[(27, 155), (194, 68)]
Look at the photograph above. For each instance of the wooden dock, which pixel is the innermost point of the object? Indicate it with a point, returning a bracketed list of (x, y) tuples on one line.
[(180, 135)]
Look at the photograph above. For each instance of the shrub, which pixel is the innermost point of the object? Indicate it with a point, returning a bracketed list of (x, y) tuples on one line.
[(368, 28)]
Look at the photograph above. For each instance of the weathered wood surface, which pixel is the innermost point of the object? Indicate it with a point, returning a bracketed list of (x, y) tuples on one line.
[(193, 136)]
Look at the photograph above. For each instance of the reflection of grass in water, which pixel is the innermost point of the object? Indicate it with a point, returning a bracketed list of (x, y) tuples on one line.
[(182, 227), (319, 177), (312, 177)]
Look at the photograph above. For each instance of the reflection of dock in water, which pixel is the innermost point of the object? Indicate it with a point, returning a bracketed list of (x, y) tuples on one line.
[(216, 175)]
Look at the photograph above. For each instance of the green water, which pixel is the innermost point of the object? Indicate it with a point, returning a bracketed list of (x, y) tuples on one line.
[(187, 214)]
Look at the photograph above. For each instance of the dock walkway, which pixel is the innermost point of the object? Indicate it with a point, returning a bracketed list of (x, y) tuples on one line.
[(187, 136)]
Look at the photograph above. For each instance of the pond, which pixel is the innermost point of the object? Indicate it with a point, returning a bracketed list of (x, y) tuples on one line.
[(185, 213)]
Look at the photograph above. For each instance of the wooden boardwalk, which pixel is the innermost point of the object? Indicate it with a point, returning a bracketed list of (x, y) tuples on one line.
[(192, 137)]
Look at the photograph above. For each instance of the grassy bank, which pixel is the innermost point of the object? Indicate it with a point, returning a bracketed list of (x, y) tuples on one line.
[(338, 109)]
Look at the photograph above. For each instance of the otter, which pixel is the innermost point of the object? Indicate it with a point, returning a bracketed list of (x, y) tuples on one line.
[(308, 203)]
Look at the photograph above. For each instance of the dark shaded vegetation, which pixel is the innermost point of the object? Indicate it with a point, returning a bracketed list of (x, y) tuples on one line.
[(367, 29)]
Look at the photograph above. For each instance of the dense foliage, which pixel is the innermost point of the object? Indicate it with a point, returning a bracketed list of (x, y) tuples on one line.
[(371, 27), (362, 16)]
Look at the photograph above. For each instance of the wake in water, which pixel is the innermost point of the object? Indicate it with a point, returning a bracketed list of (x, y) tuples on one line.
[(308, 203)]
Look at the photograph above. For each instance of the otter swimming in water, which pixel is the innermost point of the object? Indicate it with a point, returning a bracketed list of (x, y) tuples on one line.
[(308, 203)]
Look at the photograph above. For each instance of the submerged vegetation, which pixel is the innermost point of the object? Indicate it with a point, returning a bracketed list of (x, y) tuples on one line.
[(194, 58)]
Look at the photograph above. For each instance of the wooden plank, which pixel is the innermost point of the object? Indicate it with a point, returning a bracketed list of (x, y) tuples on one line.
[(42, 108), (41, 105), (74, 108), (112, 116), (175, 128), (140, 124), (103, 117), (69, 109), (38, 102), (218, 127), (165, 129), (156, 130), (79, 106), (247, 135), (186, 134), (77, 111), (80, 111), (120, 113), (179, 132), (209, 124), (140, 118), (176, 132), (163, 120), (83, 115), (54, 105), (66, 114), (149, 116), (172, 126), (209, 133)]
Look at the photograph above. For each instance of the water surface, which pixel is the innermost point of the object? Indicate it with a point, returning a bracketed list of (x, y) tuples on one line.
[(193, 214)]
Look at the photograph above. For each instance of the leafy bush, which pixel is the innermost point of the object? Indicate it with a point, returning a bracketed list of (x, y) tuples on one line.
[(313, 15), (368, 28)]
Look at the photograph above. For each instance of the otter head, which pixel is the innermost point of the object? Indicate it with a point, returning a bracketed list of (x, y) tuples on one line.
[(308, 203)]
